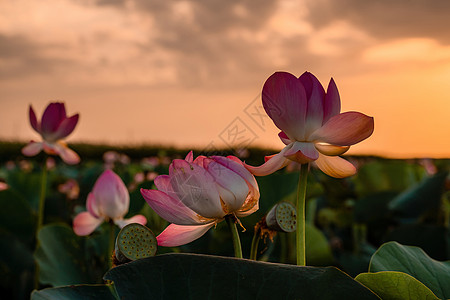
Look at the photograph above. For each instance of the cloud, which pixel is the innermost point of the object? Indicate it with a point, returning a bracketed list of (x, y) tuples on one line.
[(20, 57), (209, 40), (386, 19), (203, 43), (213, 16), (410, 50)]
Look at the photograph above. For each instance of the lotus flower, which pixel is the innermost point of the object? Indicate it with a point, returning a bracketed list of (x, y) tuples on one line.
[(198, 194), (54, 127), (108, 201), (311, 124)]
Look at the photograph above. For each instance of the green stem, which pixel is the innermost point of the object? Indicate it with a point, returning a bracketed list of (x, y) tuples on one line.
[(41, 207), (235, 235), (112, 240), (40, 218), (255, 243), (359, 237), (284, 247), (112, 290), (300, 232)]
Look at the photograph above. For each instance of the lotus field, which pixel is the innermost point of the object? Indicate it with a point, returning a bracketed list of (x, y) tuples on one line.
[(304, 221)]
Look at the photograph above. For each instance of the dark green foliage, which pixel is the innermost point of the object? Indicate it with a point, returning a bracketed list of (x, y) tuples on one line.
[(85, 292), (190, 276), (348, 219), (415, 262)]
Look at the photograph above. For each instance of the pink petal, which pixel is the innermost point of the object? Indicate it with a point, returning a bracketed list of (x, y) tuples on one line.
[(199, 161), (275, 163), (237, 166), (284, 100), (315, 95), (53, 115), (233, 189), (171, 209), (196, 188), (302, 152), (233, 158), (344, 129), (3, 186), (177, 235), (247, 210), (284, 138), (189, 157), (32, 149), (251, 203), (91, 205), (52, 148), (140, 219), (163, 184), (311, 83), (33, 120), (332, 103), (84, 223), (335, 166), (111, 195), (269, 157), (253, 195), (66, 127), (69, 156), (331, 150)]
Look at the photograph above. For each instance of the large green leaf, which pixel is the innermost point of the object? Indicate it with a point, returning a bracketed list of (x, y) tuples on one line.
[(391, 285), (355, 263), (374, 207), (98, 292), (421, 198), (431, 238), (63, 257), (27, 185), (16, 215), (318, 251), (191, 276), (16, 267), (15, 257), (386, 175), (413, 261)]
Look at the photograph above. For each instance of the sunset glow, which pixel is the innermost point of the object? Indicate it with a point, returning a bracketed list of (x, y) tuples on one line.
[(190, 73)]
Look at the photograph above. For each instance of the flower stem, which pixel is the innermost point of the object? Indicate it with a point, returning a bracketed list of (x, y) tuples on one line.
[(41, 207), (40, 218), (235, 235), (300, 232), (255, 243), (112, 240)]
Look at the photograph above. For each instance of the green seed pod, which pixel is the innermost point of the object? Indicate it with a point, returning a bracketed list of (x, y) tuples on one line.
[(282, 217), (135, 241)]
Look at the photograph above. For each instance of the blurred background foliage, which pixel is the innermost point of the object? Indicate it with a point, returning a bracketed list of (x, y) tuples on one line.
[(407, 201)]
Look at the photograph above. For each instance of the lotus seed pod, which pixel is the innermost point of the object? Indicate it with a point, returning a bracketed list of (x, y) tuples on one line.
[(282, 217), (135, 241)]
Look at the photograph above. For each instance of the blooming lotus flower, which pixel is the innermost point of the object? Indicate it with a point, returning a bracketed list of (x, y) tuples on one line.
[(109, 200), (54, 126), (312, 127), (198, 194)]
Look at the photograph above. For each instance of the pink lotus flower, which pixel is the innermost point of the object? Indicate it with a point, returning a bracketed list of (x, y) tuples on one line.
[(197, 194), (54, 126), (311, 124), (109, 200)]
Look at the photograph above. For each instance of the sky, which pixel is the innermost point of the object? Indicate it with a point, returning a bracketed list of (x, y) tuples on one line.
[(190, 73)]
